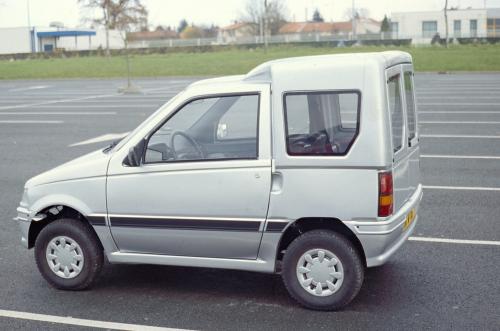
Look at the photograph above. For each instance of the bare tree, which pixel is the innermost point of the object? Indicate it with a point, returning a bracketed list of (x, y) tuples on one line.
[(357, 12), (274, 16), (122, 15)]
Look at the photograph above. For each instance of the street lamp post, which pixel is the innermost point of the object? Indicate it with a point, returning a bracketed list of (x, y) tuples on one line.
[(353, 21)]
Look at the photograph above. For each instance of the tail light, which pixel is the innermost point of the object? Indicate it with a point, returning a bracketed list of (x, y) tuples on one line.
[(385, 194)]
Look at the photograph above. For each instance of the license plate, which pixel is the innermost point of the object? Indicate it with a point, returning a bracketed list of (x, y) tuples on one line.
[(409, 219)]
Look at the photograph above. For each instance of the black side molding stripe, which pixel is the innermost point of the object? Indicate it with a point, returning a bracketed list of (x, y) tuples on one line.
[(188, 224), (97, 220), (275, 226)]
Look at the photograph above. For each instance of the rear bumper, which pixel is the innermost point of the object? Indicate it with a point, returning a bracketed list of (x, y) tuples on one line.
[(381, 239)]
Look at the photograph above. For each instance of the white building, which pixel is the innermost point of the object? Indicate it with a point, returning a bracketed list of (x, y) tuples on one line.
[(39, 39), (462, 23)]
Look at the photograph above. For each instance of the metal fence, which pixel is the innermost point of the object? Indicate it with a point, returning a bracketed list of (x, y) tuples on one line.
[(257, 40), (389, 38)]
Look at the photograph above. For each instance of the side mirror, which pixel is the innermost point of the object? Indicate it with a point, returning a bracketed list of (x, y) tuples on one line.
[(134, 155)]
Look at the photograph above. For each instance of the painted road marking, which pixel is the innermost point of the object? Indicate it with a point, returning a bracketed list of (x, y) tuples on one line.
[(80, 321), (458, 112), (123, 105), (104, 137), (30, 122), (458, 136), (51, 102), (460, 104), (461, 188), (458, 97), (60, 113), (456, 241), (459, 122), (478, 157), (38, 87)]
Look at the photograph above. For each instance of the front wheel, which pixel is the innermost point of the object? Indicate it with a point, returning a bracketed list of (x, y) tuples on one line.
[(322, 270), (68, 254)]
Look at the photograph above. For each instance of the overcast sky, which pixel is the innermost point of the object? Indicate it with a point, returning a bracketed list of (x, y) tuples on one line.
[(219, 12)]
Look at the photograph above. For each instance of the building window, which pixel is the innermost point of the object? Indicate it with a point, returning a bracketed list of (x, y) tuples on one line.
[(395, 28), (473, 28), (429, 29), (493, 26), (457, 28)]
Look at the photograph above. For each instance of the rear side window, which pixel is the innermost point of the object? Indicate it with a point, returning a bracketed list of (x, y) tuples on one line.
[(396, 109), (410, 105), (321, 123)]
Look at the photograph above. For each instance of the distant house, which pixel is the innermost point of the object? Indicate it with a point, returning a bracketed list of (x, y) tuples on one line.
[(158, 34), (363, 26), (237, 31)]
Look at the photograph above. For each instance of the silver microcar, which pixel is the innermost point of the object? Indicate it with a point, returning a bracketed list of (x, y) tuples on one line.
[(307, 167)]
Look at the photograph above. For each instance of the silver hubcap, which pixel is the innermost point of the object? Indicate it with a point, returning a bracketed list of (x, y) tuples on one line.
[(65, 257), (320, 272)]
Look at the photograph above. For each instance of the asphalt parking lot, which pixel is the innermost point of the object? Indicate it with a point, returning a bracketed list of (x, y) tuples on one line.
[(431, 283)]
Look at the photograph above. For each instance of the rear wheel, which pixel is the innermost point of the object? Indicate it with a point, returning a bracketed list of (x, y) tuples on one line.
[(68, 254), (322, 270)]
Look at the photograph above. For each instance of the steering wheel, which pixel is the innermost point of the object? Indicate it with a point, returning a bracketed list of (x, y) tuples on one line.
[(190, 139)]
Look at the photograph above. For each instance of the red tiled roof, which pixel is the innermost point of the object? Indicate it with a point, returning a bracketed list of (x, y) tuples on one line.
[(236, 26)]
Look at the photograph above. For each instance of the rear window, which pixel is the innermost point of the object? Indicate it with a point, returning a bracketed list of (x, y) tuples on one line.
[(321, 123), (410, 105), (396, 109)]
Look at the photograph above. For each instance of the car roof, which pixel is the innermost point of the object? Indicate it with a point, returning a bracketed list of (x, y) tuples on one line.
[(308, 66)]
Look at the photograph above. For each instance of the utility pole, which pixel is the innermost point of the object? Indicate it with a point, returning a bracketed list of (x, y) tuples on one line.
[(446, 22), (266, 26), (353, 21), (29, 24)]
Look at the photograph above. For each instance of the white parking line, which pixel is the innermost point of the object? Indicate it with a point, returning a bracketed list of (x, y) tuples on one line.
[(458, 136), (30, 122), (456, 241), (104, 137), (458, 112), (80, 322), (474, 157), (51, 102), (60, 113), (38, 87), (461, 188), (123, 105), (459, 122), (460, 104)]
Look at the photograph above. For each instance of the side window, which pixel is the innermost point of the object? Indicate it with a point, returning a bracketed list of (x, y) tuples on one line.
[(396, 109), (239, 121), (321, 123), (213, 128), (410, 105)]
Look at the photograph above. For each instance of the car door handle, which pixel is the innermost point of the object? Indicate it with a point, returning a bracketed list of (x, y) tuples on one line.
[(276, 182)]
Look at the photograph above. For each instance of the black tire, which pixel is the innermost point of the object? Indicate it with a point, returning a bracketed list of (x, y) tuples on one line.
[(347, 254), (91, 250)]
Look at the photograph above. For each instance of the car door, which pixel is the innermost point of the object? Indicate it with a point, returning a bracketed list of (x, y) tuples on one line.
[(202, 188), (401, 140)]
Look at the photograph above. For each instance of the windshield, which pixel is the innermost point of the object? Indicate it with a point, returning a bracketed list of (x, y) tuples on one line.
[(116, 145)]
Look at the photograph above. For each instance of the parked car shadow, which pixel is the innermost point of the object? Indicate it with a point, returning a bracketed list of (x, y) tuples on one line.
[(383, 285)]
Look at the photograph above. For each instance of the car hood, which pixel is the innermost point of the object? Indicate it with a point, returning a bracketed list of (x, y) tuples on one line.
[(94, 164)]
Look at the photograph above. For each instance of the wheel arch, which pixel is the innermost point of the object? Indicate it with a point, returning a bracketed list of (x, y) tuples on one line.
[(53, 212), (305, 224)]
